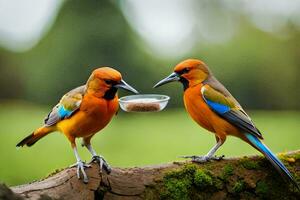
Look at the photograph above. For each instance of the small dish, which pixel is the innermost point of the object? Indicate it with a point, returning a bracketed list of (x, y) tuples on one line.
[(144, 103)]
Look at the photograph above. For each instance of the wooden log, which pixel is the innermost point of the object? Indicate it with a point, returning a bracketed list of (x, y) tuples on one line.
[(232, 178)]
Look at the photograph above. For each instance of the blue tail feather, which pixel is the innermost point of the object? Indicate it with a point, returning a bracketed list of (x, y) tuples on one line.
[(271, 157)]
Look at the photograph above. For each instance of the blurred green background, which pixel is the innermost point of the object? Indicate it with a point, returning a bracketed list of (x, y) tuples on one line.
[(50, 47)]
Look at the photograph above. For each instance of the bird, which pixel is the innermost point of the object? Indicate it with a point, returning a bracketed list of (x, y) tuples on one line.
[(212, 106), (82, 112)]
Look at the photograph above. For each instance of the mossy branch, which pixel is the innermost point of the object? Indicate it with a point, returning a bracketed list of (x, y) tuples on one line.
[(233, 178)]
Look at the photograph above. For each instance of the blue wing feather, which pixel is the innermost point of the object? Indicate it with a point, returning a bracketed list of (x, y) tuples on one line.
[(217, 107), (62, 112), (235, 116)]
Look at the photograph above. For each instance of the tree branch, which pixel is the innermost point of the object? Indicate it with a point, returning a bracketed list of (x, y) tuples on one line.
[(246, 177)]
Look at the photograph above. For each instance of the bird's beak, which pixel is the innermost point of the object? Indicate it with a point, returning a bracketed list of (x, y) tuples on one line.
[(126, 86), (172, 77)]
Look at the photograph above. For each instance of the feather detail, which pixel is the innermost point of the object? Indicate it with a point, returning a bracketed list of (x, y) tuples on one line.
[(227, 108), (271, 157), (67, 106), (62, 112), (219, 108)]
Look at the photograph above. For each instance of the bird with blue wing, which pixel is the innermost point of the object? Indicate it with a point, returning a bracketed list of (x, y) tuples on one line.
[(211, 105), (82, 112)]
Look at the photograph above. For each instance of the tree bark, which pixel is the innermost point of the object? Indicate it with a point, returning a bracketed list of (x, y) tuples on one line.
[(233, 178)]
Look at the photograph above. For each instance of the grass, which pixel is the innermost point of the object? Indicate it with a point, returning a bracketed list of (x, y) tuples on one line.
[(129, 140)]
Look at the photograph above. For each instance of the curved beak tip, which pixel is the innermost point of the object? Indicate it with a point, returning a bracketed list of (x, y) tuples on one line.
[(156, 85), (126, 86), (171, 78), (135, 91), (160, 83)]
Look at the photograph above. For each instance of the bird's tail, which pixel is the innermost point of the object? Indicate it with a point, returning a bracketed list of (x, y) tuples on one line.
[(272, 158), (35, 136)]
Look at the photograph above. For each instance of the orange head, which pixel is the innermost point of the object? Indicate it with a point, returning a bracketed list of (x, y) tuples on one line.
[(189, 72), (105, 82)]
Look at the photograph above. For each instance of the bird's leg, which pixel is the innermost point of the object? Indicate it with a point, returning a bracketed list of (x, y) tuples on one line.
[(209, 155), (98, 159), (80, 165)]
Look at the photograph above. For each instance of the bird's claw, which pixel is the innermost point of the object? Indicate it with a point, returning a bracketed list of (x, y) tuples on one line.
[(203, 159), (102, 163), (80, 168), (217, 157), (191, 157)]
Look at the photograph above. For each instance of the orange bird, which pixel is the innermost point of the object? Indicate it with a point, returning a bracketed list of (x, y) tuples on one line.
[(211, 105), (82, 112)]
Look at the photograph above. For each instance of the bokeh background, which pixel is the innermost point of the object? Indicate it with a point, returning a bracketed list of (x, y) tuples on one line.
[(48, 47)]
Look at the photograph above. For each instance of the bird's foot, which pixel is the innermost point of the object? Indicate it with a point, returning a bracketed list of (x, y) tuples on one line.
[(102, 163), (203, 159), (80, 168)]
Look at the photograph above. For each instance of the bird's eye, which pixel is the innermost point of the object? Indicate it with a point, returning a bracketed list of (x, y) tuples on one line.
[(185, 70), (109, 82)]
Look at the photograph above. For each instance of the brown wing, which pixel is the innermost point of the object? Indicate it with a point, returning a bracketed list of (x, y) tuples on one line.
[(68, 104), (226, 106)]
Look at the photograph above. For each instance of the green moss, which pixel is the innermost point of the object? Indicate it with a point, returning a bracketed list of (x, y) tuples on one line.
[(54, 172), (177, 183), (176, 189), (187, 170), (151, 192), (249, 164), (296, 156), (227, 172), (296, 177), (218, 183), (238, 187), (261, 189), (202, 179), (289, 157)]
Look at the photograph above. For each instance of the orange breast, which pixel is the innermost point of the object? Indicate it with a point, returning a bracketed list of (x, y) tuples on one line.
[(93, 115), (203, 115)]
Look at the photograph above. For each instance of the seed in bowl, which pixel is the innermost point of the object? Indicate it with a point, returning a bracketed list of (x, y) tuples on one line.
[(142, 107), (143, 103)]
